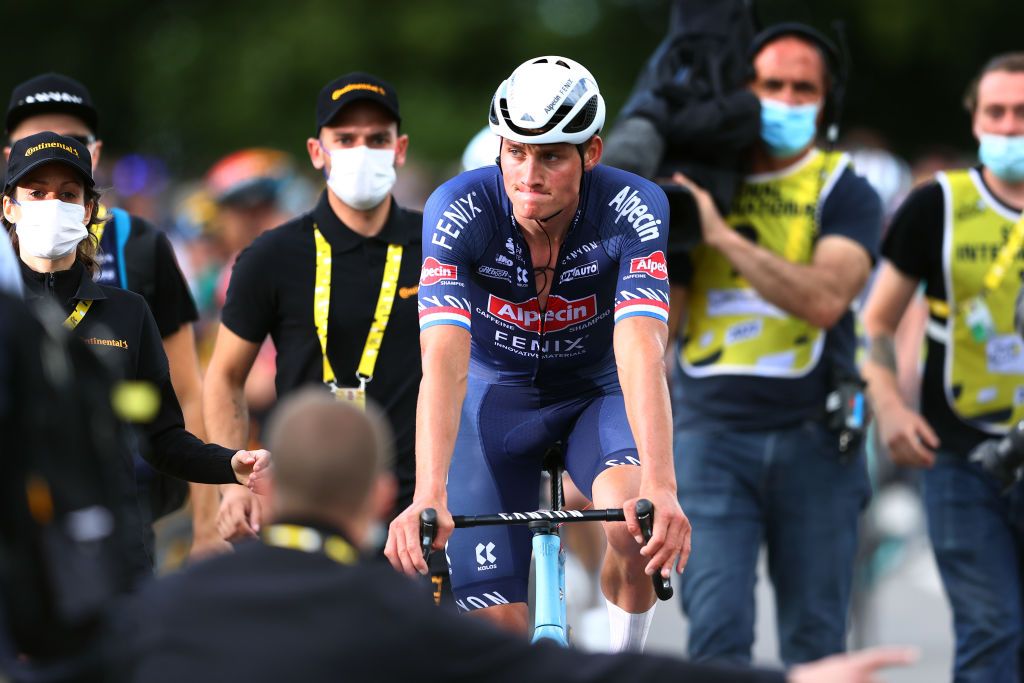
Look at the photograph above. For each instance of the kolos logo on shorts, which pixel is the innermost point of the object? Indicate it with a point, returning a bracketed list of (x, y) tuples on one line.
[(653, 264), (434, 271), (560, 314)]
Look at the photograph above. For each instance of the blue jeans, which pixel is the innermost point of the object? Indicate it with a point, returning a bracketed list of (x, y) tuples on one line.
[(978, 538), (788, 488)]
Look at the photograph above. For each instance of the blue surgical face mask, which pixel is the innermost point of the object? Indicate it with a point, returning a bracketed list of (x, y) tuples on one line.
[(1003, 155), (786, 129)]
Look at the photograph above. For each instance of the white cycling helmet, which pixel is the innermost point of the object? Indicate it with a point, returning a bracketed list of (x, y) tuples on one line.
[(546, 100)]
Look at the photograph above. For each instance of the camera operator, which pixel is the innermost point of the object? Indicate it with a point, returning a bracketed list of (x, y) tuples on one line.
[(962, 236), (768, 330)]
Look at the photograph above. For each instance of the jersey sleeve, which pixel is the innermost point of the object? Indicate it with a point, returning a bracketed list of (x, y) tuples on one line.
[(453, 219), (638, 219)]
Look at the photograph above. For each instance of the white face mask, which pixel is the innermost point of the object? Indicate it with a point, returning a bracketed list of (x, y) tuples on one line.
[(50, 228), (362, 177)]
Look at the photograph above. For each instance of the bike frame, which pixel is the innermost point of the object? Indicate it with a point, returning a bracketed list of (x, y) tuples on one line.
[(549, 620)]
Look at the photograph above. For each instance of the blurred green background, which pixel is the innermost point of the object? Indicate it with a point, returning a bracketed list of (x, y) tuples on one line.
[(190, 81)]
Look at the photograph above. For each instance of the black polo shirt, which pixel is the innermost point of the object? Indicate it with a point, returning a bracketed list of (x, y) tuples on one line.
[(271, 292)]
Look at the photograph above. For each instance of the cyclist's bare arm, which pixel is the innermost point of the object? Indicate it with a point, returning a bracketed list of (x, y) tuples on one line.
[(226, 416), (445, 354), (639, 343)]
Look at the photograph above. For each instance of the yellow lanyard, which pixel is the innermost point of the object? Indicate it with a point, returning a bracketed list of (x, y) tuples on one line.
[(995, 273), (322, 305), (1004, 259), (295, 537), (71, 322)]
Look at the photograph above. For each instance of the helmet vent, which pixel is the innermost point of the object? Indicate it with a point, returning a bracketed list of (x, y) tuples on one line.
[(583, 118)]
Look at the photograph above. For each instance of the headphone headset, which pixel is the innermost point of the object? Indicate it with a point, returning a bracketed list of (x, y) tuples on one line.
[(836, 64)]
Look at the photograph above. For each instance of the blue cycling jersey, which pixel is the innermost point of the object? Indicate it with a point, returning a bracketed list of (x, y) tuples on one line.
[(478, 274), (536, 375)]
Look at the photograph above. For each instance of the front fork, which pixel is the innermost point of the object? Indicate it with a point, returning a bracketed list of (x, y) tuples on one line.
[(549, 603)]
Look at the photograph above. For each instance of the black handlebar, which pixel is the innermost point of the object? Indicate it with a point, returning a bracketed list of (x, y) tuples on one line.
[(645, 516), (644, 511)]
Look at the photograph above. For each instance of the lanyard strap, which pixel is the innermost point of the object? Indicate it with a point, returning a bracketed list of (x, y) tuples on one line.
[(1004, 259), (71, 322), (386, 300), (295, 537), (322, 298), (322, 305), (996, 272)]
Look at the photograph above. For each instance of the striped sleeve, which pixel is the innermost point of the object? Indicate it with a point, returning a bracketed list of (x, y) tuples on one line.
[(642, 219), (445, 276)]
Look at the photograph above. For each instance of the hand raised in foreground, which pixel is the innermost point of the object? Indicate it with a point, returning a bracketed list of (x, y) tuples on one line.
[(853, 667)]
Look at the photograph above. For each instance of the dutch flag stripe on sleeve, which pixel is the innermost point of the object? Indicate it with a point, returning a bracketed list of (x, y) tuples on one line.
[(444, 315), (648, 307)]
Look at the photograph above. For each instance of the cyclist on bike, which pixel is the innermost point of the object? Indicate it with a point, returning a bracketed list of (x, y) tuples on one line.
[(543, 316)]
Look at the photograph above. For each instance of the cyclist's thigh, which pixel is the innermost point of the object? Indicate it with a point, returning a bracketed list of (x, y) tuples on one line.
[(495, 468), (600, 439)]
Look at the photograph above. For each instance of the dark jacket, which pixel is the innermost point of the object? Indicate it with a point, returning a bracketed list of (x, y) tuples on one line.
[(274, 614)]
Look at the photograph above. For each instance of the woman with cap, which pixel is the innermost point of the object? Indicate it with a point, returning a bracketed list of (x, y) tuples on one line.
[(49, 200)]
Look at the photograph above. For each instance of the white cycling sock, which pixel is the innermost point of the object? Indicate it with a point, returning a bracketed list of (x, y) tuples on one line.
[(627, 631)]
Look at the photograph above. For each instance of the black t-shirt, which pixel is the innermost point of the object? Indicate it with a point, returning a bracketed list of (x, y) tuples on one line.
[(151, 270), (913, 245), (852, 210), (120, 329), (271, 292)]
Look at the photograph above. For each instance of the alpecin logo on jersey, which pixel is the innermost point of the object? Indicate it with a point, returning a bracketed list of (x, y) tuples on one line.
[(560, 314), (629, 205), (434, 271), (653, 264)]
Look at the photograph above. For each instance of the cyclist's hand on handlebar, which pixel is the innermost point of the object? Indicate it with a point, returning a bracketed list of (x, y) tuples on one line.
[(671, 535), (403, 547)]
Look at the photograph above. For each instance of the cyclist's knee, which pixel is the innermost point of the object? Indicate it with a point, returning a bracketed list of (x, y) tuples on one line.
[(514, 617), (621, 543)]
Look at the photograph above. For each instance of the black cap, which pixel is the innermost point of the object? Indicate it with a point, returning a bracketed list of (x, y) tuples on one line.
[(45, 148), (346, 89), (51, 93)]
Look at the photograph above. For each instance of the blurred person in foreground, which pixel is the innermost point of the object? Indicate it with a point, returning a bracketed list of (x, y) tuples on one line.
[(961, 235), (314, 611), (10, 272), (768, 337), (132, 255), (335, 288)]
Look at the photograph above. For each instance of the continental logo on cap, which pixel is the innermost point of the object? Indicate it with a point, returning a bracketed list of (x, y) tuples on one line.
[(358, 86), (47, 145)]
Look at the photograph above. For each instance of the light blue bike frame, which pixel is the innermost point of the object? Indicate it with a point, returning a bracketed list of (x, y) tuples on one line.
[(549, 600)]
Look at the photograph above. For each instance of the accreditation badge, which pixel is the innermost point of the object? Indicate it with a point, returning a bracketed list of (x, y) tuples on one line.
[(979, 319), (354, 395)]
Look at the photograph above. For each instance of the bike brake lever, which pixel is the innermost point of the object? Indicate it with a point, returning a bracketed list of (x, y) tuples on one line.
[(428, 530), (645, 517)]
